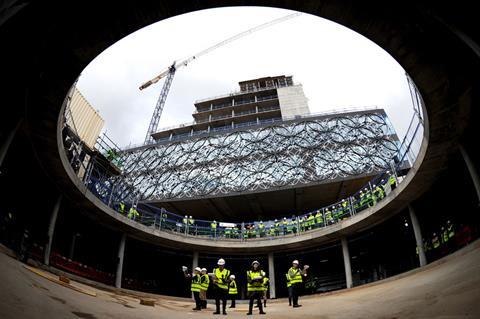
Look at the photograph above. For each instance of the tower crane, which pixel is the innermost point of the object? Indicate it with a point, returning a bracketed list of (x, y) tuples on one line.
[(170, 72)]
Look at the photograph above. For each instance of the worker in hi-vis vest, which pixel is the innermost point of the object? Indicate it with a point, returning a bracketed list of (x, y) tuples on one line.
[(204, 283), (221, 278), (232, 290), (289, 287), (195, 285), (295, 277), (255, 286)]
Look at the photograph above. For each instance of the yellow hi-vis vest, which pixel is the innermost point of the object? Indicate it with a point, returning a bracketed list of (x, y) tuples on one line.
[(295, 275), (265, 283), (232, 288), (204, 282), (255, 285), (133, 213), (288, 280), (195, 283), (222, 277)]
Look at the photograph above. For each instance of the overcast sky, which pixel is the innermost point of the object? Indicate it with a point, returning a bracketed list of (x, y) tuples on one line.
[(337, 67)]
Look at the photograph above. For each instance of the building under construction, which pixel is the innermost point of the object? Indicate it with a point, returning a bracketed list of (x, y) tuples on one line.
[(259, 153), (113, 242)]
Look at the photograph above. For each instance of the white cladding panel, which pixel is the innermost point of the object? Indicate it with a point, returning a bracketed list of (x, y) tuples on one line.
[(292, 101)]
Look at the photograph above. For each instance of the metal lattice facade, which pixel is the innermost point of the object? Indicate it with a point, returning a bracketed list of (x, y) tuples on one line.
[(289, 154)]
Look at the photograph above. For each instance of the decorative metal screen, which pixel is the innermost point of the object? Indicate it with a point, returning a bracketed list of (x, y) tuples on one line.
[(286, 154)]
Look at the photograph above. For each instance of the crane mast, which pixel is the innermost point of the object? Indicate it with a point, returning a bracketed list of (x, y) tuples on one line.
[(169, 73)]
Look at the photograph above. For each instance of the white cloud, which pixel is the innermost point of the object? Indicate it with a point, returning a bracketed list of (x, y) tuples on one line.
[(337, 67)]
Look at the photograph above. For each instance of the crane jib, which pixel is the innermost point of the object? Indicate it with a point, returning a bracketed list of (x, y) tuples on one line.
[(170, 72)]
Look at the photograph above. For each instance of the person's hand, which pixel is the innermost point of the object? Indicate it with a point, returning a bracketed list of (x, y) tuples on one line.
[(184, 268), (306, 267)]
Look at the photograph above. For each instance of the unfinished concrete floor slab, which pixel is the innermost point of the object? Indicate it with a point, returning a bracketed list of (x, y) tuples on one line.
[(448, 288)]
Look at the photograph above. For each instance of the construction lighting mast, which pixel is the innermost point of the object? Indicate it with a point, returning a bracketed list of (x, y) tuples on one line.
[(170, 72)]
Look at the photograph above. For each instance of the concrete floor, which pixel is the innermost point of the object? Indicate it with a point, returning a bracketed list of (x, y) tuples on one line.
[(449, 288)]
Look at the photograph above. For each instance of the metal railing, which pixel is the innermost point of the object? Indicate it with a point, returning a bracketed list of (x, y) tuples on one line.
[(161, 219)]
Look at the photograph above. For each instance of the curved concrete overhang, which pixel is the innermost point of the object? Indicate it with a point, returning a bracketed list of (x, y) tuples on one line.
[(414, 36)]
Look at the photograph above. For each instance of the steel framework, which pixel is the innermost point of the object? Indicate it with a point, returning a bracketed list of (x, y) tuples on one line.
[(308, 151)]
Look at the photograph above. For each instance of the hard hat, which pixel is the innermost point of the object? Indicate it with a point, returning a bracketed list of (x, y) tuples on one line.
[(198, 269), (190, 216), (276, 220), (221, 261), (204, 269), (255, 262), (295, 262), (186, 216), (232, 276), (284, 217)]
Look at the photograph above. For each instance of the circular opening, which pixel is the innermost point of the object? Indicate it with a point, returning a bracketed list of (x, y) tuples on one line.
[(298, 123)]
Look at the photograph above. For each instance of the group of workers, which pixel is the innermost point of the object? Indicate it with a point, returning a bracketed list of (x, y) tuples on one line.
[(366, 198), (225, 287), (132, 211), (444, 239)]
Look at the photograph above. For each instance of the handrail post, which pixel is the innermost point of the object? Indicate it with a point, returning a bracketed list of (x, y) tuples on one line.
[(352, 207), (111, 195), (161, 218)]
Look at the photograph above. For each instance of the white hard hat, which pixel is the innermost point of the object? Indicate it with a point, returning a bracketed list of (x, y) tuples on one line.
[(204, 269), (190, 216), (232, 276), (255, 262), (221, 261), (198, 269), (295, 262)]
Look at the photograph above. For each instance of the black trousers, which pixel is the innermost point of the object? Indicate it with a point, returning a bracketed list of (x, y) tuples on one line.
[(295, 292), (221, 294), (290, 295), (264, 298), (255, 295), (198, 302), (232, 305)]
